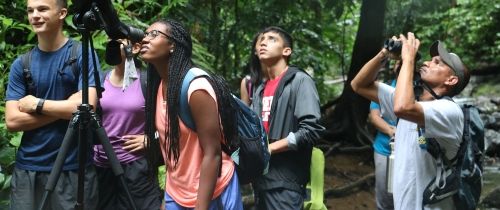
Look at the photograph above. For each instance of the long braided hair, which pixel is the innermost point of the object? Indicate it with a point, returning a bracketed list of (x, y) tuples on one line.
[(179, 64)]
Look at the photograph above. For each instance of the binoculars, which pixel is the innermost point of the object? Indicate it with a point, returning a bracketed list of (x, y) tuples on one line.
[(394, 47)]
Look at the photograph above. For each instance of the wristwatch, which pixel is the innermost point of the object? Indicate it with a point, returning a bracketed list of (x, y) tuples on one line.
[(39, 106)]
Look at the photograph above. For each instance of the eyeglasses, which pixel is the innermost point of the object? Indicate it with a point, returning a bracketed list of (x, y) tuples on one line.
[(154, 33)]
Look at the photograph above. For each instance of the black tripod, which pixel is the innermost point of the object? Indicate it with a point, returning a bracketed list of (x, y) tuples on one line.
[(84, 121)]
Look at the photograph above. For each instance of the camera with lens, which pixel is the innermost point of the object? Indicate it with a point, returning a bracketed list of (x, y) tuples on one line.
[(394, 47), (100, 14)]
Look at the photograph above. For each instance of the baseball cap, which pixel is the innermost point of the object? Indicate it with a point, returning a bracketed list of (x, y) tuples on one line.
[(454, 62)]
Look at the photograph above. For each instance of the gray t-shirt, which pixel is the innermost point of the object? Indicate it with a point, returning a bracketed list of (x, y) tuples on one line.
[(414, 167)]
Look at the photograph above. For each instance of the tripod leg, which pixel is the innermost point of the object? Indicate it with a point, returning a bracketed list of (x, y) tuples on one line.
[(69, 138), (113, 160), (83, 146)]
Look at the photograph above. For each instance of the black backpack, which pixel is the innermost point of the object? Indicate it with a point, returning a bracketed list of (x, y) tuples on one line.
[(251, 157), (462, 176), (26, 63)]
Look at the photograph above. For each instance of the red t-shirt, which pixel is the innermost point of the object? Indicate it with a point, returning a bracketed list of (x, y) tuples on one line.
[(267, 99)]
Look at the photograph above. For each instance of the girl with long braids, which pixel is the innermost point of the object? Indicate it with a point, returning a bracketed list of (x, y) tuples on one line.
[(199, 174)]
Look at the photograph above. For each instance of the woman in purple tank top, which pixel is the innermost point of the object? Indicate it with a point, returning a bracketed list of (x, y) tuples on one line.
[(123, 118)]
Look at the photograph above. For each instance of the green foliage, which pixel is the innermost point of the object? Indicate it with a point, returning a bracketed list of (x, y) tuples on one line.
[(222, 31), (8, 144), (8, 51), (10, 46), (227, 28), (470, 28), (162, 173)]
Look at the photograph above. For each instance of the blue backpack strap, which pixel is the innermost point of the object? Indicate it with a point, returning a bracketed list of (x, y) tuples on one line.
[(184, 110)]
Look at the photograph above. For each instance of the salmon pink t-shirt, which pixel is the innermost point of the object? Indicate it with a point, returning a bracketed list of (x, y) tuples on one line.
[(182, 182)]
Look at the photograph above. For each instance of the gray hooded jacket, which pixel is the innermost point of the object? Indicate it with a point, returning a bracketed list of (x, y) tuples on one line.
[(295, 114)]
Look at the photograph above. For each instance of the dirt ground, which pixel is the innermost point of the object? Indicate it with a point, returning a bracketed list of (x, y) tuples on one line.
[(341, 169), (344, 168)]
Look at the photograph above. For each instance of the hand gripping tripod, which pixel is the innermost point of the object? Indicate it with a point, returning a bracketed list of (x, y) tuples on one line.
[(84, 121)]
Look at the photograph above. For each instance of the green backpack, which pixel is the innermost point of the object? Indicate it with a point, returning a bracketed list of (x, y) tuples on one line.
[(314, 200)]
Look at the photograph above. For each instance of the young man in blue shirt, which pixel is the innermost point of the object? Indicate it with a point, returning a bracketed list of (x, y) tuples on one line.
[(43, 113)]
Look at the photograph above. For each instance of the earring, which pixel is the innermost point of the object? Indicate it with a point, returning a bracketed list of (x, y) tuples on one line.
[(171, 50)]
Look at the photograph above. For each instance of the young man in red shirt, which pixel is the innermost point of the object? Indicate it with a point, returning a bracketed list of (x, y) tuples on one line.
[(289, 106)]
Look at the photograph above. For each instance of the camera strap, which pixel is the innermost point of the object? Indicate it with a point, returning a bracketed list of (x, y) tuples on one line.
[(419, 85), (426, 87)]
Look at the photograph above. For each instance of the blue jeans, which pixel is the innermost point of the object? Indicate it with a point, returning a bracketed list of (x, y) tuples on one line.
[(230, 199)]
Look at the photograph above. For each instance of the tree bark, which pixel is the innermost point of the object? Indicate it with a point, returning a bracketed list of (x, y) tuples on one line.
[(214, 31), (348, 120)]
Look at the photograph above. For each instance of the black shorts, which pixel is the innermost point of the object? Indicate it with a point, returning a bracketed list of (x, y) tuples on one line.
[(279, 198), (144, 189), (28, 187)]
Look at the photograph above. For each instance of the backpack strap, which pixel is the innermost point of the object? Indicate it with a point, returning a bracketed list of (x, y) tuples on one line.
[(26, 63), (466, 132), (28, 78), (73, 58), (102, 78), (466, 135), (249, 86), (144, 81), (184, 110)]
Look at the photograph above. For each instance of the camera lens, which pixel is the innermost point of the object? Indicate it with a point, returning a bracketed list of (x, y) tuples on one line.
[(135, 35)]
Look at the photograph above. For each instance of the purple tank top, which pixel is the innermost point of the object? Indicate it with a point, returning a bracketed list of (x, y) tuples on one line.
[(122, 114)]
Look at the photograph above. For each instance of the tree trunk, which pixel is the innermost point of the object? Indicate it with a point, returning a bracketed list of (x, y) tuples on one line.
[(214, 31), (348, 120)]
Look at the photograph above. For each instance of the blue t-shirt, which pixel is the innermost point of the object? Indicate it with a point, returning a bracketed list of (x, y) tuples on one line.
[(53, 80), (381, 143)]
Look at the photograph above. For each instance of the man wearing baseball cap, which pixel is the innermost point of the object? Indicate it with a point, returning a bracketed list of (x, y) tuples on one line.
[(429, 115), (455, 64)]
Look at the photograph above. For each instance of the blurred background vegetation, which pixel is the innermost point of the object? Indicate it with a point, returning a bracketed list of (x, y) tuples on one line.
[(325, 33)]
